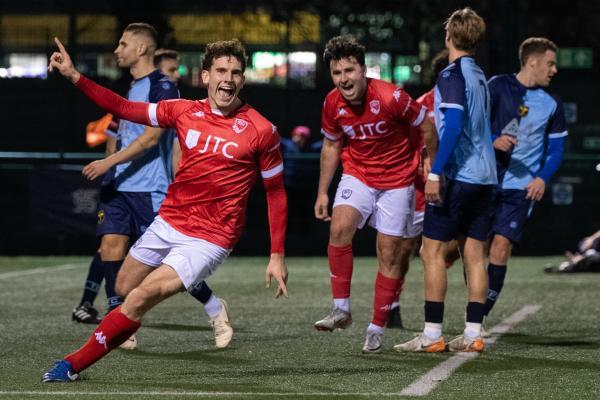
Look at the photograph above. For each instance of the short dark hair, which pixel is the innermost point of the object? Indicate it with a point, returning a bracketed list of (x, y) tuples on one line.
[(143, 28), (439, 62), (165, 54), (535, 45), (466, 29), (222, 48), (344, 46)]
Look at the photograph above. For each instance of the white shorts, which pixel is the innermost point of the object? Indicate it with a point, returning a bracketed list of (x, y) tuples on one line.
[(193, 259), (391, 211), (417, 224)]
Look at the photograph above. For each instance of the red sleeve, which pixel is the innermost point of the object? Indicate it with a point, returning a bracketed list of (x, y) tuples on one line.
[(277, 205), (270, 160), (134, 111), (405, 108), (329, 127), (270, 163)]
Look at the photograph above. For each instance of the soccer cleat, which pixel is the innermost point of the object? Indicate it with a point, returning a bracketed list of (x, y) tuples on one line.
[(394, 319), (86, 314), (337, 319), (373, 342), (422, 344), (61, 372), (221, 325), (463, 343), (130, 344), (485, 333)]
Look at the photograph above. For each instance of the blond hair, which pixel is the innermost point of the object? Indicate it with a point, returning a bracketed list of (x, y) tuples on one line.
[(465, 28)]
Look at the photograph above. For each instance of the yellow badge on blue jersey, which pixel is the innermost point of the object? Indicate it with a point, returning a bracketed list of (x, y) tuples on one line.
[(100, 217), (523, 110)]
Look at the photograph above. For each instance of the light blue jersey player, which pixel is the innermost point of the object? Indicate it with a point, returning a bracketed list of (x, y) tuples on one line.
[(459, 188), (529, 131)]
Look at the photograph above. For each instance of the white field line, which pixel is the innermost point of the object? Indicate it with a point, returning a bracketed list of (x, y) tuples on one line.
[(197, 394), (426, 383), (17, 274)]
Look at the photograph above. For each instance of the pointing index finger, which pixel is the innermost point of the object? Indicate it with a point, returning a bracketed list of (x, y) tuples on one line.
[(60, 46)]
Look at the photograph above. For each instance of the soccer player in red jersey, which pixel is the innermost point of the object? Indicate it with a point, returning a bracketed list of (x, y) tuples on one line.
[(366, 124), (225, 143)]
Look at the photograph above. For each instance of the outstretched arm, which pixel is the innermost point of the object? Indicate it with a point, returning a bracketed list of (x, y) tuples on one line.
[(277, 204), (111, 102)]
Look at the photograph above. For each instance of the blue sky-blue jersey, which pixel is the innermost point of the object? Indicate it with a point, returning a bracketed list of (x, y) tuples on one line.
[(152, 171), (463, 86), (537, 120)]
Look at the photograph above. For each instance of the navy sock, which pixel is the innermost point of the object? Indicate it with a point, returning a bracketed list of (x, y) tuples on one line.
[(93, 280), (201, 292), (111, 268), (434, 311), (496, 274), (475, 312)]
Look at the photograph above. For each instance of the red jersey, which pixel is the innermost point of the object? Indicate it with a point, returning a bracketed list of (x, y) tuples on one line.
[(377, 147), (427, 101), (220, 160)]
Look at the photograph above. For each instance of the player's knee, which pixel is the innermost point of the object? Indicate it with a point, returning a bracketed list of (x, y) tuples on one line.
[(122, 288), (341, 233), (140, 298), (500, 250)]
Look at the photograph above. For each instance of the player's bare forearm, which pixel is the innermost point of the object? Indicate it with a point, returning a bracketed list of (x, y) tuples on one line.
[(430, 138), (330, 158), (111, 146), (148, 139)]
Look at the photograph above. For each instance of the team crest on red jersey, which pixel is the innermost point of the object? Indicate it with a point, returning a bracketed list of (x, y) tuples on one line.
[(375, 106), (396, 95), (239, 125)]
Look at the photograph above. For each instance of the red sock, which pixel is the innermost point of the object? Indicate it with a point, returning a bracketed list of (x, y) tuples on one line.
[(340, 268), (114, 329), (385, 292)]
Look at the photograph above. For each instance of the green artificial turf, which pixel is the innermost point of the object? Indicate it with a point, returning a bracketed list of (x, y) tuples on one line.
[(276, 353)]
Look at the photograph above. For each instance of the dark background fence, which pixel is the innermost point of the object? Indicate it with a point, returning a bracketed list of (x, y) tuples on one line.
[(47, 208)]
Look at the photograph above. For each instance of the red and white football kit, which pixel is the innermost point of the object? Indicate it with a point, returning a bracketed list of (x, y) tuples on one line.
[(380, 160), (203, 213), (379, 157)]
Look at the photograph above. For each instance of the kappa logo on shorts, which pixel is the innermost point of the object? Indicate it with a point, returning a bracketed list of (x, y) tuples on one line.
[(513, 224), (375, 106), (101, 216), (346, 193)]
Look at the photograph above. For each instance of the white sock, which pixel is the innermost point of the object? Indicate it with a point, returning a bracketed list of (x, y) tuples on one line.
[(472, 329), (342, 304), (432, 330), (372, 328), (394, 305), (213, 306)]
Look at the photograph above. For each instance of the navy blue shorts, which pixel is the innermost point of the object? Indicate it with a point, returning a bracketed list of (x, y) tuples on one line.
[(512, 210), (124, 213), (466, 209)]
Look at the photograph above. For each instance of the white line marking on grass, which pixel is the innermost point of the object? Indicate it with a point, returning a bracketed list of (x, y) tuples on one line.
[(16, 274), (426, 383), (198, 394)]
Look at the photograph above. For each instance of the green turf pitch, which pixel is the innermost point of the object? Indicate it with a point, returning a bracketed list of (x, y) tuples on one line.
[(276, 353)]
